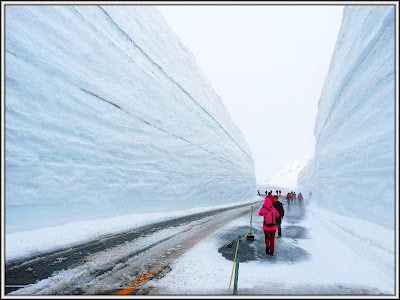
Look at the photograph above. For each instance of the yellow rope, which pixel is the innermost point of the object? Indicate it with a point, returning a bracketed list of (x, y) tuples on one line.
[(234, 261), (233, 267)]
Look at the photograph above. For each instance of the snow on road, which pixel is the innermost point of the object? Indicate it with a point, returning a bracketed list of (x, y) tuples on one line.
[(30, 243), (320, 253), (321, 263), (115, 267)]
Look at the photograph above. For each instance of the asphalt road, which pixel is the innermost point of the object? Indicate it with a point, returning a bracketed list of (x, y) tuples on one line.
[(148, 260)]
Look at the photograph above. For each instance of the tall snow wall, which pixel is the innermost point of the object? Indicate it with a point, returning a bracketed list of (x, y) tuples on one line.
[(108, 113), (352, 171)]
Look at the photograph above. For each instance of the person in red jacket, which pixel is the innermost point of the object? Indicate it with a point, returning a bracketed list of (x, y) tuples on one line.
[(289, 199), (300, 198), (270, 214), (270, 197)]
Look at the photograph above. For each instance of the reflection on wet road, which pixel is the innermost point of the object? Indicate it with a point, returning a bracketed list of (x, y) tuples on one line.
[(285, 249)]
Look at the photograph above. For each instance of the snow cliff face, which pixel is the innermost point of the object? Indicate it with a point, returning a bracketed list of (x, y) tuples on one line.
[(352, 171), (108, 113)]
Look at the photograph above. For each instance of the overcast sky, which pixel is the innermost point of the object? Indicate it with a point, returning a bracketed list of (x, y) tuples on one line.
[(268, 65)]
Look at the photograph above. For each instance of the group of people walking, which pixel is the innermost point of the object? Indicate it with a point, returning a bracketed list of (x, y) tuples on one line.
[(273, 212), (292, 197), (278, 192)]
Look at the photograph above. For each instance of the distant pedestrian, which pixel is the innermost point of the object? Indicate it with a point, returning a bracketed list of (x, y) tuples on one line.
[(279, 207), (300, 198), (270, 214), (258, 192), (289, 197), (294, 196)]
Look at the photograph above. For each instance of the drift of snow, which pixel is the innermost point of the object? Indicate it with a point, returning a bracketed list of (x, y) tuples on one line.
[(352, 171), (108, 113)]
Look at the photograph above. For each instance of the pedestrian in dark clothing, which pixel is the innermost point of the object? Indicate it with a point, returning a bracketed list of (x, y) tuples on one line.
[(279, 207)]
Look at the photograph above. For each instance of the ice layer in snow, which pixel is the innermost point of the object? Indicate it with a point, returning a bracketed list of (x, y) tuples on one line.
[(107, 113), (352, 171)]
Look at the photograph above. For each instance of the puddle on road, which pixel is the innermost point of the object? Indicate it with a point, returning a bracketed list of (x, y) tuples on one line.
[(295, 232), (285, 252), (294, 213)]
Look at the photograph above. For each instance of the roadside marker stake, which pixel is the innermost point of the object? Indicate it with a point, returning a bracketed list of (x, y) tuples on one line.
[(235, 283), (250, 237)]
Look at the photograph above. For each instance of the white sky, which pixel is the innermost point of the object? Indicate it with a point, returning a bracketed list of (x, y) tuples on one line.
[(268, 65)]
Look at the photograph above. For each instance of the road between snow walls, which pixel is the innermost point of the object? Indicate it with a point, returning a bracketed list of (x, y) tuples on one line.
[(190, 255), (111, 265)]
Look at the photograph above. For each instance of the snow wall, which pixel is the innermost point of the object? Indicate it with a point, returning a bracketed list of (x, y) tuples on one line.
[(108, 113), (352, 171)]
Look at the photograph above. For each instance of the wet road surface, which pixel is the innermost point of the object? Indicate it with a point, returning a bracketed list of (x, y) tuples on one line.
[(286, 252), (25, 272), (285, 249)]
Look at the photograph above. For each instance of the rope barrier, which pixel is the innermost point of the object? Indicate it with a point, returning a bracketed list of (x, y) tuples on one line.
[(233, 267), (239, 239), (234, 260)]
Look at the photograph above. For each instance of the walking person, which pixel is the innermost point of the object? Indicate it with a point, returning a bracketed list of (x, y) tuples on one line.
[(279, 207), (270, 214), (300, 198), (289, 199)]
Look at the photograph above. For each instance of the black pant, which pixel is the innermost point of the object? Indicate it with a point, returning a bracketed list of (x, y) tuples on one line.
[(278, 223)]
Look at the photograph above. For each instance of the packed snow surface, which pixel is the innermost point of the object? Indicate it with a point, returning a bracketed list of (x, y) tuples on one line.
[(108, 113), (352, 171)]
